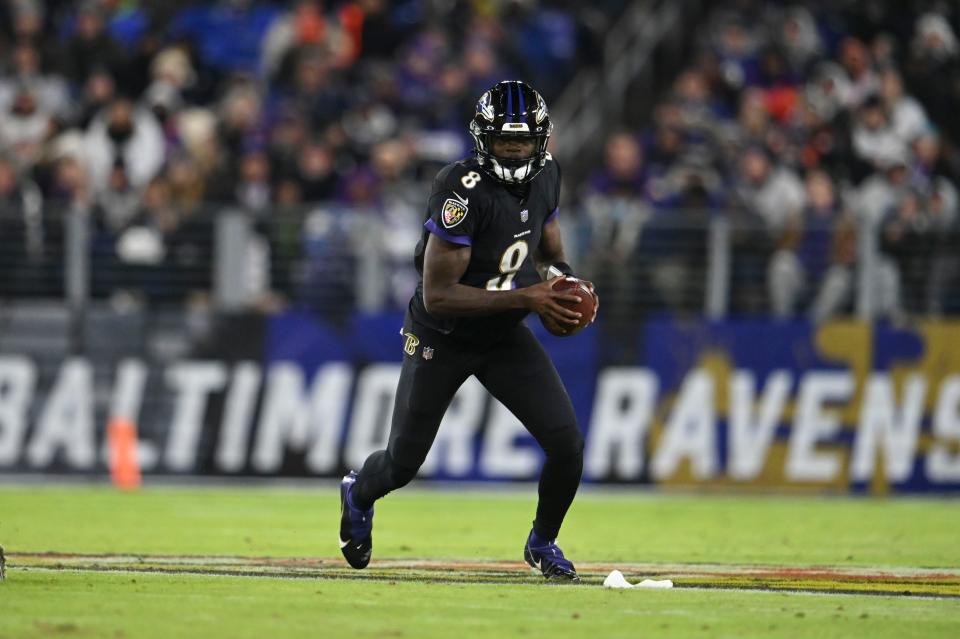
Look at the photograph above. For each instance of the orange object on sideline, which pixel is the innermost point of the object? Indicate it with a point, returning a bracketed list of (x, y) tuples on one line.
[(124, 466)]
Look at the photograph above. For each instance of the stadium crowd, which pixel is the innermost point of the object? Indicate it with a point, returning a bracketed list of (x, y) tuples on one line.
[(806, 124), (148, 112)]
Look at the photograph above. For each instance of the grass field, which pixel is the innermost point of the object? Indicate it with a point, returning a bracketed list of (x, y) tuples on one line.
[(215, 562)]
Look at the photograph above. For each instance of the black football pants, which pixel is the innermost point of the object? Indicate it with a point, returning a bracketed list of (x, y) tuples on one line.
[(518, 372)]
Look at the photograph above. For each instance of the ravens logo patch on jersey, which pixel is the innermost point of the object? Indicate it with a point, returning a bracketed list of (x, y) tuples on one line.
[(453, 212)]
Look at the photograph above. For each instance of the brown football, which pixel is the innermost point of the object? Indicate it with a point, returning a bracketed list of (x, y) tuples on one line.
[(585, 307)]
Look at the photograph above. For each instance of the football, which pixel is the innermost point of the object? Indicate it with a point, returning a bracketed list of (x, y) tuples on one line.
[(586, 307)]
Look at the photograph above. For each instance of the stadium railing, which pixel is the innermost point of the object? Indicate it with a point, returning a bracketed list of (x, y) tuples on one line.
[(337, 260)]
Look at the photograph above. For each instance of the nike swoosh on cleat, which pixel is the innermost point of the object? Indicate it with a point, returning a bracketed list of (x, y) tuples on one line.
[(537, 564), (343, 544)]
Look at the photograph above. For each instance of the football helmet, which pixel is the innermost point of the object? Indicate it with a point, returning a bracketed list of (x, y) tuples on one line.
[(511, 109)]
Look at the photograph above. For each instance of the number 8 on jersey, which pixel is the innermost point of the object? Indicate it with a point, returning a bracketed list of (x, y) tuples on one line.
[(510, 263)]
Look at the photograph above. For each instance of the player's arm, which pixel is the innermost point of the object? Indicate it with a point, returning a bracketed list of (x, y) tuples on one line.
[(550, 254), (444, 264)]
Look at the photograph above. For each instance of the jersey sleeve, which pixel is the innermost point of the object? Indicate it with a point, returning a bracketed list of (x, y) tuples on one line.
[(452, 215), (554, 190)]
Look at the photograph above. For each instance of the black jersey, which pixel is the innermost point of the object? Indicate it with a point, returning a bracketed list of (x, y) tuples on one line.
[(501, 224)]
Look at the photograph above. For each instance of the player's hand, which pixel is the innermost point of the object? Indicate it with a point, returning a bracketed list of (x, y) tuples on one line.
[(596, 299), (543, 300)]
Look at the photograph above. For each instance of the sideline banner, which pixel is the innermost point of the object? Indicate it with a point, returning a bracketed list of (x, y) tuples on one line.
[(750, 403)]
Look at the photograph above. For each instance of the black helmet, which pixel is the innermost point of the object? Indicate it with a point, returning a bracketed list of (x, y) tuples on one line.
[(511, 109)]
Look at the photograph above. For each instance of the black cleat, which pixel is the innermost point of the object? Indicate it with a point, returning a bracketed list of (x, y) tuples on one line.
[(356, 526), (547, 557)]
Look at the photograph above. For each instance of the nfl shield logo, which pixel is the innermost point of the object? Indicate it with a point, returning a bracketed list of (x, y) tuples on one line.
[(427, 352), (524, 215)]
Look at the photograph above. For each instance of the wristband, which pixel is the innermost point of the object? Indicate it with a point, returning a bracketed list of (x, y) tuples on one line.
[(560, 268)]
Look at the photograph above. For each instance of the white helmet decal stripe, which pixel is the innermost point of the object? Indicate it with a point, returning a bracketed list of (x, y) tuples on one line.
[(485, 107)]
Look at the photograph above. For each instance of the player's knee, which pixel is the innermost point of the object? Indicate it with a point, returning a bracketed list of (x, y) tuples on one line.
[(569, 447), (577, 446)]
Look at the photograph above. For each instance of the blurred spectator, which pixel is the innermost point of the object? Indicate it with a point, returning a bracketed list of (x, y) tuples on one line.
[(664, 148), (800, 40), (753, 126), (876, 197), (305, 27), (50, 91), (253, 190), (855, 59), (402, 212), (27, 22), (196, 130), (908, 237), (118, 202), (673, 246), (935, 58), (24, 128), (815, 258), (696, 109), (772, 193), (90, 47), (368, 124), (314, 90), (128, 135), (779, 83), (285, 233), (241, 125), (875, 140), (768, 198), (943, 280), (828, 91), (881, 191), (929, 160), (185, 178), (98, 91), (615, 214), (816, 142), (907, 116), (735, 46), (415, 74), (21, 231), (172, 76), (614, 200), (379, 33), (315, 175), (328, 284), (144, 239), (286, 137)]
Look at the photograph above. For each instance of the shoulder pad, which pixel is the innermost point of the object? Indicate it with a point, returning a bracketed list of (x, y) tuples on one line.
[(463, 177)]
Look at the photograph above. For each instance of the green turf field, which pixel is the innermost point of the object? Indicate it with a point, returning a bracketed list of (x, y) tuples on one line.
[(172, 562)]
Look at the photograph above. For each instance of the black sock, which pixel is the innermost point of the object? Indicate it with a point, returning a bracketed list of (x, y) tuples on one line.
[(379, 475), (559, 481)]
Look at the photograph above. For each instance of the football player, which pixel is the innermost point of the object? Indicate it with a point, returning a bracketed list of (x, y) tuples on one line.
[(489, 255)]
